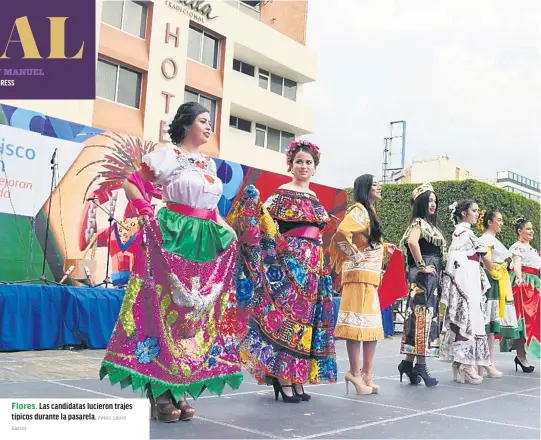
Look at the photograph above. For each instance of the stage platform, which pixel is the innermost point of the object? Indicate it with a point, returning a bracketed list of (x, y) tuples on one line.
[(45, 317), (41, 317), (497, 409)]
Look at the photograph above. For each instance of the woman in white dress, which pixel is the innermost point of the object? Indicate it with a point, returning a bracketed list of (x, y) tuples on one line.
[(177, 328), (499, 309), (464, 283)]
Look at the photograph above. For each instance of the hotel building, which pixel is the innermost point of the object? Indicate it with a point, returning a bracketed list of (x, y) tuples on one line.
[(517, 184), (246, 61)]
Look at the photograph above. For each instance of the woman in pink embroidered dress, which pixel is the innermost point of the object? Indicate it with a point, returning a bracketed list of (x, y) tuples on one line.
[(176, 331)]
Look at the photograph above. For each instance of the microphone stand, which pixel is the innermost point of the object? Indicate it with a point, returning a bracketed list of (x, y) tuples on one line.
[(43, 278), (110, 219)]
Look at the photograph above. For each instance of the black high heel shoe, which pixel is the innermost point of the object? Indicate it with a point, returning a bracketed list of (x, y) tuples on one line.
[(421, 372), (525, 369), (304, 397), (278, 389), (406, 367)]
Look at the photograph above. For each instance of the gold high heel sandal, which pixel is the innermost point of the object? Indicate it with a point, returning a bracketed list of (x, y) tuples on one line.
[(360, 387)]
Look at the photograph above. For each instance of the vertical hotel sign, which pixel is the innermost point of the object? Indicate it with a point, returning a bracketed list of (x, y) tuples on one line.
[(48, 49)]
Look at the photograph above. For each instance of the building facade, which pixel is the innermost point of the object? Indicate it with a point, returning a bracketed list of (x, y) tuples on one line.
[(246, 61), (434, 169), (518, 184)]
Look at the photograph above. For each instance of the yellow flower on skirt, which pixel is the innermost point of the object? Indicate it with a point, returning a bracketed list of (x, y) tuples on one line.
[(306, 340), (314, 371)]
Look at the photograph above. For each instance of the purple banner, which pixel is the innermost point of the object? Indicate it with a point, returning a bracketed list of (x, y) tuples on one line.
[(48, 49)]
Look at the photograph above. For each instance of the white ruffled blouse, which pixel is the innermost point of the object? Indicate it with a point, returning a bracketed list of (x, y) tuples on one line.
[(186, 178)]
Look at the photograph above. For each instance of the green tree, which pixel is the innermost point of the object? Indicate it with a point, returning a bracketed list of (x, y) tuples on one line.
[(394, 208)]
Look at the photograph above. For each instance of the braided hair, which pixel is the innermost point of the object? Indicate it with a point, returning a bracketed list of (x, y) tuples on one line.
[(183, 119), (519, 223)]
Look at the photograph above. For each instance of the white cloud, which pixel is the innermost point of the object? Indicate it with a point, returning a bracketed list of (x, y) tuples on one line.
[(464, 75)]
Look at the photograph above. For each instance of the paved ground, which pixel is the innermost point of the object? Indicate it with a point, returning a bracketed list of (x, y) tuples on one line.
[(497, 409)]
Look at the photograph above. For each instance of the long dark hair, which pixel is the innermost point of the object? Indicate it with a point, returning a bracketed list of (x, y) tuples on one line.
[(361, 194), (420, 208), (184, 118)]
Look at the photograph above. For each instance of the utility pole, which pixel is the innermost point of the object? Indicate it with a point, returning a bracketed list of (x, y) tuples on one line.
[(388, 170)]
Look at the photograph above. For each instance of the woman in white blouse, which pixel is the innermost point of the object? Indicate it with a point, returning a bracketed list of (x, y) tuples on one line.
[(499, 309), (177, 328), (525, 280)]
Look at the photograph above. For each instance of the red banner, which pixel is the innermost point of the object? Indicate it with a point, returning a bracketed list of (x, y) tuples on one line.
[(393, 284)]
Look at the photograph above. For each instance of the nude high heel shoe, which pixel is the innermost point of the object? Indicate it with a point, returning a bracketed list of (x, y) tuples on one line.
[(367, 379), (360, 387), (467, 374), (492, 372)]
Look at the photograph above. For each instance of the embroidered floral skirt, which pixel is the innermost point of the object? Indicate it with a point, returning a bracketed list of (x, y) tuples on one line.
[(526, 303), (463, 337), (287, 300), (359, 318), (178, 323), (422, 323)]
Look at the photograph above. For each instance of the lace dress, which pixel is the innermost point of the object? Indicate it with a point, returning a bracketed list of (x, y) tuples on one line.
[(464, 283)]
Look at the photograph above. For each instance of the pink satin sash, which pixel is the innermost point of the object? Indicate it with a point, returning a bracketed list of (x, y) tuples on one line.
[(305, 232), (189, 211)]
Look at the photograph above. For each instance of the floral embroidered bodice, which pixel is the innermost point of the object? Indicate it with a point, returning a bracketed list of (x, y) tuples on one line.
[(292, 209), (187, 178)]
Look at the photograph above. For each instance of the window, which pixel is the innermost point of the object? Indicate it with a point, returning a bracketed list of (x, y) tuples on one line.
[(240, 124), (118, 83), (260, 135), (290, 89), (206, 101), (243, 67), (129, 16), (286, 140), (272, 139), (263, 79), (203, 47), (251, 8), (279, 85)]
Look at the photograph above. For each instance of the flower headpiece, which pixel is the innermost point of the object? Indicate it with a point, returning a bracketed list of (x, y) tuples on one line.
[(299, 143), (480, 220), (421, 189), (452, 208)]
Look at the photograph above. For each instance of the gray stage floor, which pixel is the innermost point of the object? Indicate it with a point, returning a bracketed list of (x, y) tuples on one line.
[(497, 409)]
